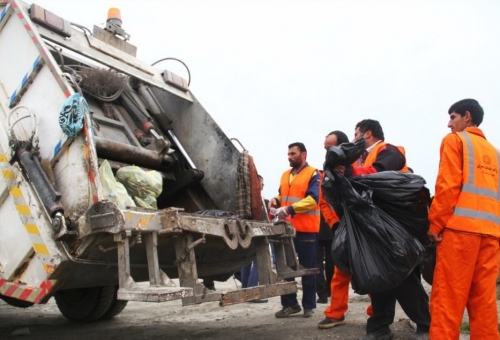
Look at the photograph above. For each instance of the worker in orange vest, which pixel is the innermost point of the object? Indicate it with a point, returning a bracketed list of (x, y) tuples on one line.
[(298, 204), (465, 221), (339, 285), (328, 223), (380, 156)]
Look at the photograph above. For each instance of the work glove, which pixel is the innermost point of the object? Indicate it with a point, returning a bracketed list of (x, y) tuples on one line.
[(282, 212)]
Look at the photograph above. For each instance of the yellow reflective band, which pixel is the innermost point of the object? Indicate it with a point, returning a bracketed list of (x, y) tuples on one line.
[(23, 209), (40, 249), (16, 192), (8, 174), (32, 229), (3, 158)]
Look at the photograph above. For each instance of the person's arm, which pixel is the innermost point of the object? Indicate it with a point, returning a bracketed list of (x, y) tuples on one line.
[(388, 158), (275, 201), (328, 213), (448, 183), (312, 197)]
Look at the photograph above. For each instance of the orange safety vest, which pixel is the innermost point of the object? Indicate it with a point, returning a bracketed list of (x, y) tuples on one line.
[(307, 222), (478, 207), (372, 156)]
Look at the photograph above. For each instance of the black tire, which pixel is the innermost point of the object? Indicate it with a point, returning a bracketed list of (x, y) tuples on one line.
[(117, 306), (85, 304), (16, 302)]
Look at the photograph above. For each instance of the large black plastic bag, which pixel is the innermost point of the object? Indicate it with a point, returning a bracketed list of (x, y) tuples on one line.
[(380, 252), (429, 263), (344, 154), (403, 196)]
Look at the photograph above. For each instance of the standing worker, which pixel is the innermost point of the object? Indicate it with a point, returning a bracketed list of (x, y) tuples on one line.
[(329, 220), (339, 284), (298, 201), (381, 156), (465, 221)]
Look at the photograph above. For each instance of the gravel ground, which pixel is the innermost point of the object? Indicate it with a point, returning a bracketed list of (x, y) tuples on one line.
[(169, 320)]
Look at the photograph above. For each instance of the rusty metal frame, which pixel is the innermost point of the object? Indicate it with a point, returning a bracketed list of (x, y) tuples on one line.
[(106, 217)]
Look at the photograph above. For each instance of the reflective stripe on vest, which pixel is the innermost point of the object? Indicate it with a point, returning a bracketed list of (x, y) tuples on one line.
[(469, 186), (478, 211), (296, 191), (292, 199), (477, 215)]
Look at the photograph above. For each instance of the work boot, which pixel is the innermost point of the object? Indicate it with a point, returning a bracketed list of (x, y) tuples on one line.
[(287, 311), (308, 313), (322, 300), (378, 336), (331, 322)]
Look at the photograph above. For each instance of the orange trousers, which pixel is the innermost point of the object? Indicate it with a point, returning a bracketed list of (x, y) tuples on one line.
[(465, 276), (339, 288)]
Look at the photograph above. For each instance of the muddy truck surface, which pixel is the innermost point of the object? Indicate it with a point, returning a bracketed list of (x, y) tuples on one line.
[(106, 162)]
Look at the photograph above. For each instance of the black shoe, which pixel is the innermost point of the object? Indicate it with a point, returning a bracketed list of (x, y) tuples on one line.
[(322, 300), (287, 311), (331, 322)]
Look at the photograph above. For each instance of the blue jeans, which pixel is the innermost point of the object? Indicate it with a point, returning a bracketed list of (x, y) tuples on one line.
[(305, 246), (250, 275)]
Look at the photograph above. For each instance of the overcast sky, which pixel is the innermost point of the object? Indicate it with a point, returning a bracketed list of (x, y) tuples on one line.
[(276, 72)]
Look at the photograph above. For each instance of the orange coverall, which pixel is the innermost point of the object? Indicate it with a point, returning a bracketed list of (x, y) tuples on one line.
[(467, 257)]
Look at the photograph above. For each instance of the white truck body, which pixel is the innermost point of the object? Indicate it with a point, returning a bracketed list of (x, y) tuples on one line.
[(85, 248)]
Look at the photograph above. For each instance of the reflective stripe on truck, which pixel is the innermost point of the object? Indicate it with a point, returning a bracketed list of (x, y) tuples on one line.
[(36, 39), (20, 291), (26, 293)]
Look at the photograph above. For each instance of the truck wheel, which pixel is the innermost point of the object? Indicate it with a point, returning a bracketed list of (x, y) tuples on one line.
[(85, 304), (16, 302), (117, 306)]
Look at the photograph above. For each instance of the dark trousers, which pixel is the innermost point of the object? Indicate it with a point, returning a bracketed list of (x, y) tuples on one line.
[(411, 297), (324, 277), (250, 275), (305, 246)]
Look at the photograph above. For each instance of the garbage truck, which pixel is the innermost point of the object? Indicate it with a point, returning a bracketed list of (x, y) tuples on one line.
[(75, 101)]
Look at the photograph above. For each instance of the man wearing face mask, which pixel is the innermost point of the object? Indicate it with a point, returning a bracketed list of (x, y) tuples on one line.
[(381, 156), (298, 204)]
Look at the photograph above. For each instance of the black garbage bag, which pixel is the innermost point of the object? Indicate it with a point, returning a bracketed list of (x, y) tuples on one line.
[(340, 247), (429, 263), (403, 196), (369, 244), (344, 154)]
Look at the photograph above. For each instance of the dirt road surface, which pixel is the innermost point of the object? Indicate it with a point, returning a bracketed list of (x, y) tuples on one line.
[(169, 320)]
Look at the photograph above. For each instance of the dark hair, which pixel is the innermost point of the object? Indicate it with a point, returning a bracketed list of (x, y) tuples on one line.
[(471, 105), (341, 137), (301, 146), (372, 125)]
